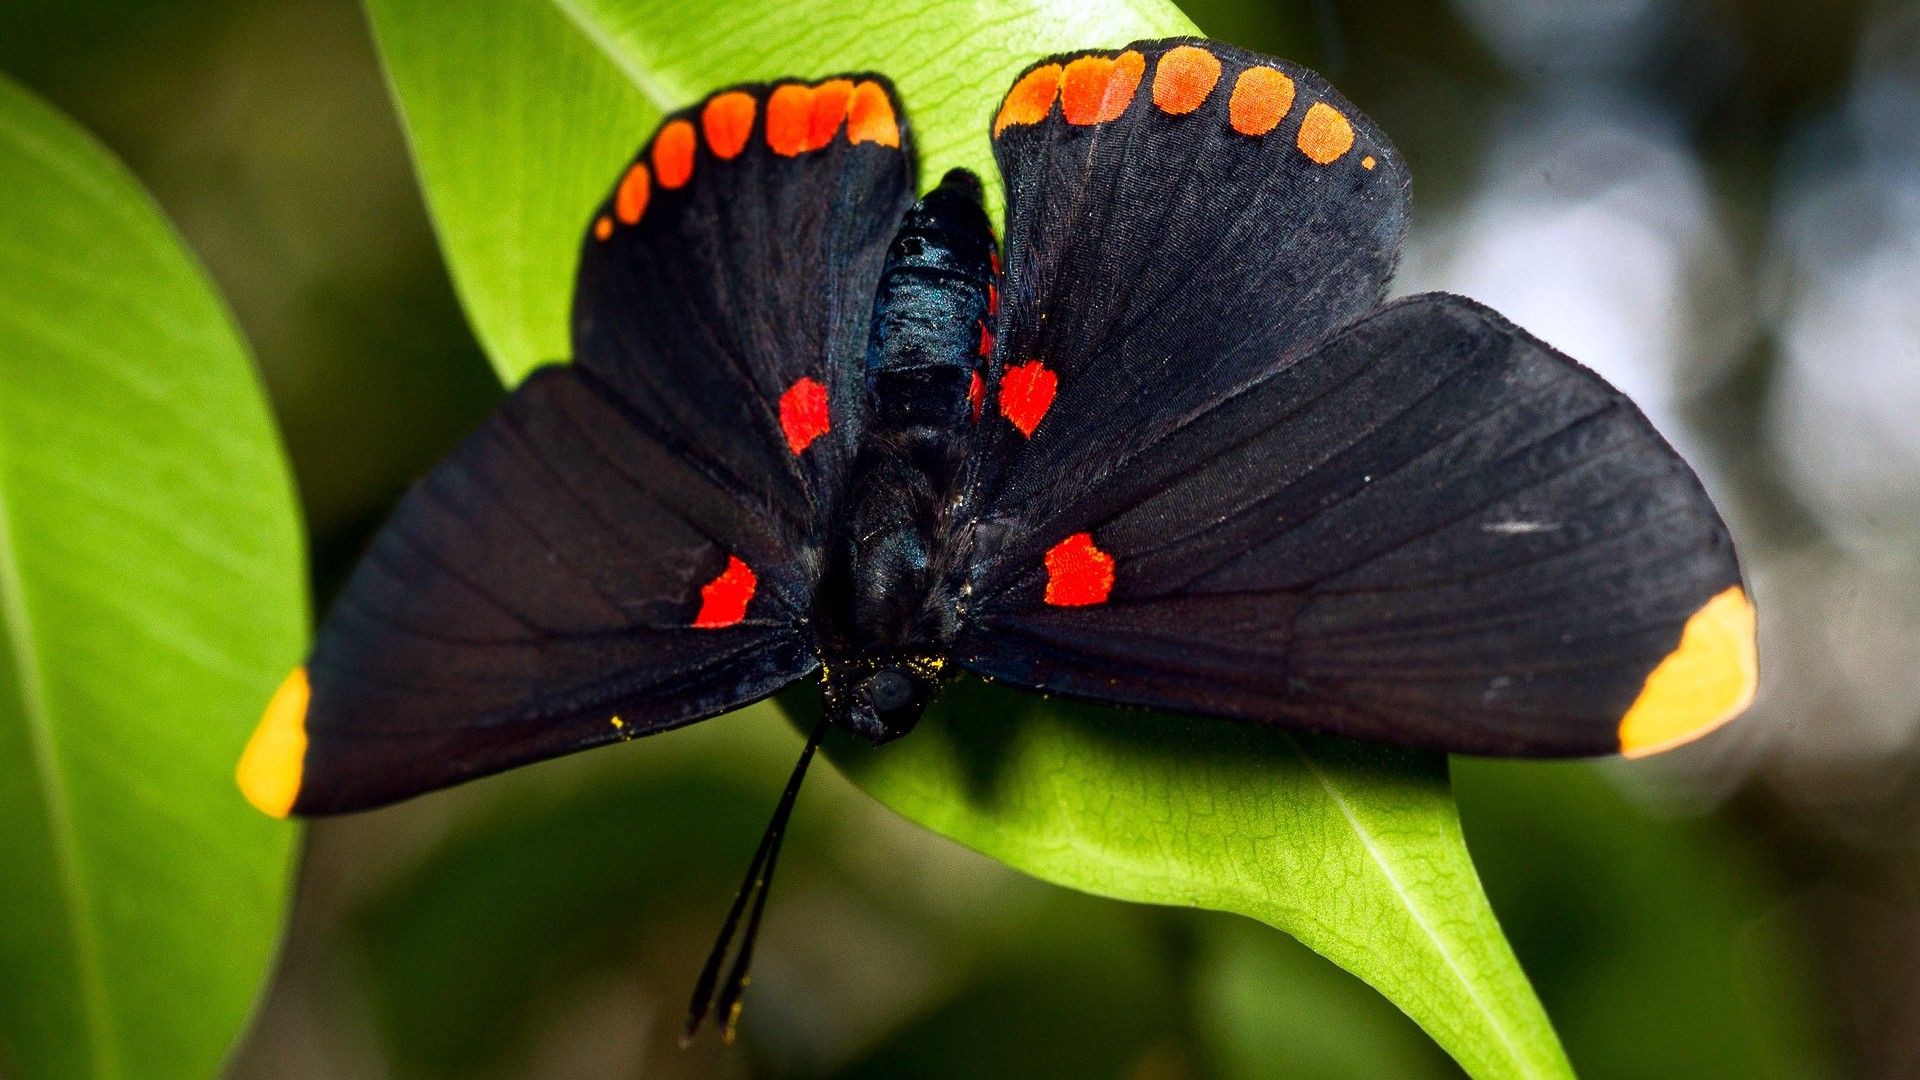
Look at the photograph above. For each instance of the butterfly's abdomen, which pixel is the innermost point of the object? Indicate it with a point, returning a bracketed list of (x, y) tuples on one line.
[(931, 311)]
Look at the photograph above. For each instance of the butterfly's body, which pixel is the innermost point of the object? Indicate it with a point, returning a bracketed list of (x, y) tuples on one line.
[(1175, 453), (890, 606)]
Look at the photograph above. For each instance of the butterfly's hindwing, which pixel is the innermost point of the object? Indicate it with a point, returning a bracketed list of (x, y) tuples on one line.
[(1431, 530), (560, 581)]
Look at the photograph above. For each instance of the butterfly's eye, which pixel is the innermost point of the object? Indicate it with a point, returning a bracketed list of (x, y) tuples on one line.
[(887, 690)]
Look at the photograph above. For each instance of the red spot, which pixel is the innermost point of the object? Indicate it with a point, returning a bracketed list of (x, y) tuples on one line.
[(829, 112), (1183, 79), (1030, 100), (1096, 89), (986, 340), (1078, 573), (993, 299), (1260, 98), (803, 413), (630, 201), (994, 258), (723, 601), (1026, 392), (789, 115), (977, 394), (728, 122), (870, 117), (673, 154)]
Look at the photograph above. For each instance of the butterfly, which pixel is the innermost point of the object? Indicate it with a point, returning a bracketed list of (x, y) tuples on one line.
[(1170, 450)]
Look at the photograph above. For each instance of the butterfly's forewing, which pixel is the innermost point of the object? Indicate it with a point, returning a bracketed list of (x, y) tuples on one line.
[(632, 541), (1428, 528), (727, 283), (1179, 213)]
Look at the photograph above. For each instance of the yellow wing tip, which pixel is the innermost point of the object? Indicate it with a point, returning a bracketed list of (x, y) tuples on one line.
[(1707, 680), (270, 766)]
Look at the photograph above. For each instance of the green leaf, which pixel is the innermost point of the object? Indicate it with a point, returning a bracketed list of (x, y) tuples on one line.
[(521, 113), (151, 595), (1354, 850)]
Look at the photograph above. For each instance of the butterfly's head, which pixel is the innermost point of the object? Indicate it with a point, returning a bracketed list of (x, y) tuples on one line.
[(880, 700)]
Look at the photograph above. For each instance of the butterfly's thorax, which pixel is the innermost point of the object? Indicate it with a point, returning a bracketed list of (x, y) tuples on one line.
[(886, 610)]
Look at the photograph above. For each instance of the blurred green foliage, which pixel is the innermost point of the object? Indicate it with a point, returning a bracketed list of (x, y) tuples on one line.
[(152, 591), (1648, 938)]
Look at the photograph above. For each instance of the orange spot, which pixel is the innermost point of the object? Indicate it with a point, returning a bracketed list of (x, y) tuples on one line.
[(986, 340), (977, 391), (1078, 573), (1325, 134), (993, 299), (1367, 162), (1030, 99), (1026, 392), (828, 112), (673, 154), (723, 601), (1183, 79), (803, 413), (1707, 680), (631, 200), (728, 122), (789, 113), (1097, 89), (270, 766), (1261, 96), (602, 227), (870, 117)]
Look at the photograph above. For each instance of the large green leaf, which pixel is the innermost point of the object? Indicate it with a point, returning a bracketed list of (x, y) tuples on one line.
[(152, 589), (520, 112), (1354, 850)]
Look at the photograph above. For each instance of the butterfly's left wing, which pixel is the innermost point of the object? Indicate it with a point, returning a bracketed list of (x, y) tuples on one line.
[(726, 285), (562, 580), (1430, 530), (632, 542)]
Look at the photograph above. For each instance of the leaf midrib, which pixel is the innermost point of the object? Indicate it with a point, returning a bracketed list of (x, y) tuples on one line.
[(662, 98), (1412, 906), (77, 899)]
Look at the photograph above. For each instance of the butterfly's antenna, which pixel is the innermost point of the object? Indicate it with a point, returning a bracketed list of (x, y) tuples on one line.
[(754, 888), (728, 1008)]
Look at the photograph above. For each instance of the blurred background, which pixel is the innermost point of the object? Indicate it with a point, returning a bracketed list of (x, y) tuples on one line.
[(1714, 202)]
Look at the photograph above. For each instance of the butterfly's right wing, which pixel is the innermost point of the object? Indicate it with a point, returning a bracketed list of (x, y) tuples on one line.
[(1430, 530), (1214, 478), (1180, 213)]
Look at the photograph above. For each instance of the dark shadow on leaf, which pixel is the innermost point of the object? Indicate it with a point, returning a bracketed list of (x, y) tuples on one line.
[(980, 726)]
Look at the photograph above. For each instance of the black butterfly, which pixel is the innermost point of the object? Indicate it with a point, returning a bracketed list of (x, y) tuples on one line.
[(1175, 454)]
